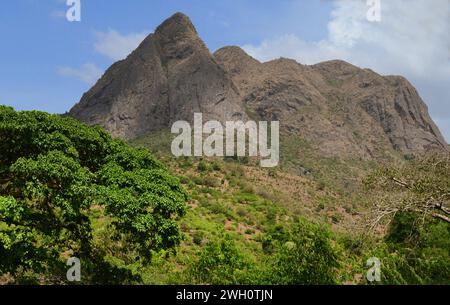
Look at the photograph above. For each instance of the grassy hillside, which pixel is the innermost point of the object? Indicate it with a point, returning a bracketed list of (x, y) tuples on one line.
[(70, 190), (255, 206)]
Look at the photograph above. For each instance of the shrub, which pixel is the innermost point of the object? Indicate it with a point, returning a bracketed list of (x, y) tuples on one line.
[(198, 238), (220, 263), (423, 250), (308, 258), (211, 181), (216, 166), (202, 167)]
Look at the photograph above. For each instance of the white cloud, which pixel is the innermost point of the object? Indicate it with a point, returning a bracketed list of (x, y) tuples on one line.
[(412, 39), (291, 46), (111, 44), (88, 72), (117, 46)]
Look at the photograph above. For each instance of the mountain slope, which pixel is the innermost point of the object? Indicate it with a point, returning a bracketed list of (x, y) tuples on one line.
[(167, 78), (341, 108), (344, 111)]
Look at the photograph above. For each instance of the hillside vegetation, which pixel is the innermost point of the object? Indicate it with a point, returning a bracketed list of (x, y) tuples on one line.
[(68, 190), (71, 190)]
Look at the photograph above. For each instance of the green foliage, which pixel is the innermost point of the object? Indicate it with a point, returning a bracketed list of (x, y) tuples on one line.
[(415, 197), (403, 229), (54, 172), (395, 269), (71, 190), (305, 256), (216, 166), (424, 251), (221, 263), (202, 167)]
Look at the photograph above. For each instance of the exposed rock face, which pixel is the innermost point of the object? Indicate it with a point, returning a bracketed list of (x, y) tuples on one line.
[(343, 110), (168, 77)]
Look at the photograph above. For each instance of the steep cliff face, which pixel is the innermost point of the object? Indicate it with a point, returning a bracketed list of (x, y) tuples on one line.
[(343, 110), (167, 78)]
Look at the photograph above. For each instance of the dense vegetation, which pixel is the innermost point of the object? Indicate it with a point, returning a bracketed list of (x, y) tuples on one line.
[(413, 199), (59, 180), (68, 190), (253, 206)]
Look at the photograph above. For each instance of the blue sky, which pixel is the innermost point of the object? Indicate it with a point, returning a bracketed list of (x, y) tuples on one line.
[(47, 63)]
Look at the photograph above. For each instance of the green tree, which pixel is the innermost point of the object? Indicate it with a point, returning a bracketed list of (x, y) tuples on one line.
[(55, 174), (309, 258), (221, 262), (425, 249), (411, 200)]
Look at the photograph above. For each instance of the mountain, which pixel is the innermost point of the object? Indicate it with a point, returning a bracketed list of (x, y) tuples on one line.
[(342, 110), (167, 78)]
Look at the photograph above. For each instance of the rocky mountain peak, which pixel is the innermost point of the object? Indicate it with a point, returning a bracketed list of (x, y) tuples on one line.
[(177, 25), (234, 53), (167, 78), (340, 109), (178, 38), (235, 59)]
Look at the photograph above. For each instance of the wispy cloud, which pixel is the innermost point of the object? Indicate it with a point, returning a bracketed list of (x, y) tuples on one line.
[(117, 46), (412, 39), (88, 72), (111, 44)]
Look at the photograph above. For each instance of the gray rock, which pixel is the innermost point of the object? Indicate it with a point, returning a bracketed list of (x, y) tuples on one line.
[(167, 78), (343, 110)]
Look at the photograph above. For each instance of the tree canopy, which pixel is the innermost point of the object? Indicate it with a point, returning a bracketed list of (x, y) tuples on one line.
[(420, 186), (56, 173)]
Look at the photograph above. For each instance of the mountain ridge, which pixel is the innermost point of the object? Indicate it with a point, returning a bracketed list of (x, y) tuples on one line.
[(344, 110)]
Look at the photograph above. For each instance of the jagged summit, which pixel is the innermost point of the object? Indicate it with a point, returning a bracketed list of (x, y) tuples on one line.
[(178, 23), (235, 60), (340, 109), (167, 78), (234, 52)]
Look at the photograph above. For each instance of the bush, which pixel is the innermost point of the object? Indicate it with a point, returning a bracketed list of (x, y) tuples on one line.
[(202, 167), (308, 258), (216, 166), (198, 238), (221, 263), (414, 196), (424, 250), (211, 181)]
